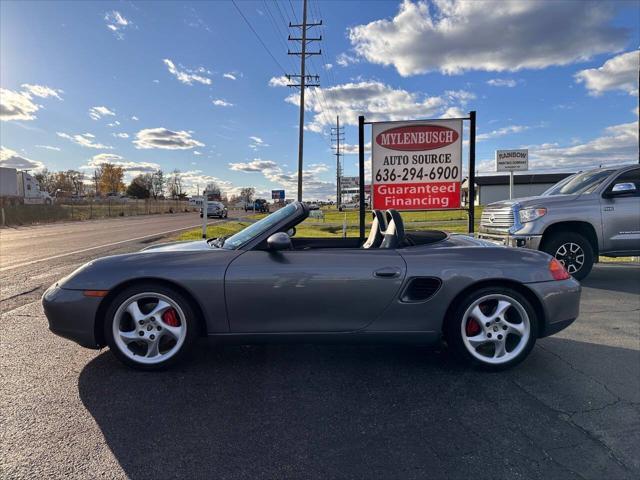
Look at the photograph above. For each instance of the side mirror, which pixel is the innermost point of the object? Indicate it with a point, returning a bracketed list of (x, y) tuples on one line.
[(279, 241), (622, 189)]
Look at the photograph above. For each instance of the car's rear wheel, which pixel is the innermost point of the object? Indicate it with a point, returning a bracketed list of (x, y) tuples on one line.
[(573, 251), (150, 327), (494, 327)]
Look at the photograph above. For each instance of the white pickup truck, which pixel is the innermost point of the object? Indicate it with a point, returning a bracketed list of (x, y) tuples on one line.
[(591, 213)]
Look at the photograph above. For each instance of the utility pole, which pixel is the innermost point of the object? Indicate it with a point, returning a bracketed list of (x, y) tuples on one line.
[(337, 135), (304, 79)]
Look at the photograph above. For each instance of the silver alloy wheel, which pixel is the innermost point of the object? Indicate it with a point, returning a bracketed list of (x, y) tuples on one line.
[(571, 256), (503, 328), (142, 334)]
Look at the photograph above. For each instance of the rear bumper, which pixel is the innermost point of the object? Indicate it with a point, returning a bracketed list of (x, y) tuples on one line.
[(524, 241), (560, 302), (71, 315)]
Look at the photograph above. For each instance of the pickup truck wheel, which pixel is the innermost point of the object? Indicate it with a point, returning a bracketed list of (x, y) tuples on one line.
[(573, 251)]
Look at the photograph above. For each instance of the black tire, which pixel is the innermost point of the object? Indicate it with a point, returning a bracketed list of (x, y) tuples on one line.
[(562, 242), (185, 305), (201, 215), (453, 327)]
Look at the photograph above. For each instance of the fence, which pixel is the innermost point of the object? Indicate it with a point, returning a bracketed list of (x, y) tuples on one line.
[(87, 209)]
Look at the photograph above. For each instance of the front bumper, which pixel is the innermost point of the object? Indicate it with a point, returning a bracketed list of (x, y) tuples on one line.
[(523, 241), (71, 315), (560, 302)]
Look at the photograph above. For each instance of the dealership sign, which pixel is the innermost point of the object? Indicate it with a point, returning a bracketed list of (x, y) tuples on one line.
[(277, 194), (512, 160), (417, 165)]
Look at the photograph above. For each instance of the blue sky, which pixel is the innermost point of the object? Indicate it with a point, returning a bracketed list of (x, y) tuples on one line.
[(188, 85)]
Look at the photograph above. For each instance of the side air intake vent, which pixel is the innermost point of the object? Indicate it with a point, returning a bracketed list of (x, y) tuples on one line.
[(421, 289)]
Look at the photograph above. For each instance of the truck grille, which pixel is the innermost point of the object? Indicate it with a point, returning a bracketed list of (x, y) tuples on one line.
[(497, 218)]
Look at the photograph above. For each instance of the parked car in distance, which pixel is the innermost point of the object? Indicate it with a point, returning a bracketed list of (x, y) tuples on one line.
[(215, 209), (264, 284), (260, 205), (590, 214)]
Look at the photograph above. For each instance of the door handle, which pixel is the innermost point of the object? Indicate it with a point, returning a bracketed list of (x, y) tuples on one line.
[(387, 272)]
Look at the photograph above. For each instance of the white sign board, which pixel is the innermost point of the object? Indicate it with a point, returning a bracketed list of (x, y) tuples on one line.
[(417, 165), (512, 160)]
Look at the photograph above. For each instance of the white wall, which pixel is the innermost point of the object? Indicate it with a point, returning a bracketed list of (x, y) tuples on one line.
[(494, 193)]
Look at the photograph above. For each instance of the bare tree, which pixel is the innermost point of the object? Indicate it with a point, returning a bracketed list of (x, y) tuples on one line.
[(175, 184), (157, 183), (247, 194)]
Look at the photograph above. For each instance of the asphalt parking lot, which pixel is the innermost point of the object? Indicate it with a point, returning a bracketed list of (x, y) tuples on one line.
[(571, 410)]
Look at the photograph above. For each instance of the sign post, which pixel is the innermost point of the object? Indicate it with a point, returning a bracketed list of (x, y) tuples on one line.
[(205, 210), (510, 161), (417, 165)]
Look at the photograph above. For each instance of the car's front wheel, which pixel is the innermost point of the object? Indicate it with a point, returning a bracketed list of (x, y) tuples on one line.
[(494, 327), (150, 326)]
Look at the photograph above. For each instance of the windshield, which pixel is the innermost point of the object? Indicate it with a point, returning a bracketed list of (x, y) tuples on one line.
[(256, 229), (584, 182)]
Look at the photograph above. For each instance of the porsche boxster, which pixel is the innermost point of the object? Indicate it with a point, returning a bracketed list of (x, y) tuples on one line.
[(265, 284)]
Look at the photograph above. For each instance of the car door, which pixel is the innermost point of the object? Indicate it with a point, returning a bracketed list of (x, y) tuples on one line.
[(621, 216), (317, 290)]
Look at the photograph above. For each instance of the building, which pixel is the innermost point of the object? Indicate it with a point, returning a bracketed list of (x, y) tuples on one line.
[(493, 188), (350, 190)]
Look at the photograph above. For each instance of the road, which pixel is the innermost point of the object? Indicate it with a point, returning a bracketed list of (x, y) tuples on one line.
[(570, 411), (32, 258)]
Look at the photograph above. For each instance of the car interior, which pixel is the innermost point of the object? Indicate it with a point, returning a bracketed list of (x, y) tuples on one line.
[(386, 232)]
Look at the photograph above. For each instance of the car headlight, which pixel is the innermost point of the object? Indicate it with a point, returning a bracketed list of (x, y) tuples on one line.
[(531, 214)]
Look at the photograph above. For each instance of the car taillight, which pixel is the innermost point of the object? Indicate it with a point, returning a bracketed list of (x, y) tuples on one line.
[(558, 272)]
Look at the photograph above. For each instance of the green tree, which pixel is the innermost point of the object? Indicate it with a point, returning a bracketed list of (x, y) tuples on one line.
[(138, 188)]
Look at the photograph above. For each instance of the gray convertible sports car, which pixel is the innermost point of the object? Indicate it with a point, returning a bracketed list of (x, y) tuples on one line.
[(264, 284)]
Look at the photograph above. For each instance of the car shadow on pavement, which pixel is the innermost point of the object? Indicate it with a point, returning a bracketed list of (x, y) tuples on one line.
[(341, 411)]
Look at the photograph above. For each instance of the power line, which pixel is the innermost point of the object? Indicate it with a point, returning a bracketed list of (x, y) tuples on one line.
[(284, 71)]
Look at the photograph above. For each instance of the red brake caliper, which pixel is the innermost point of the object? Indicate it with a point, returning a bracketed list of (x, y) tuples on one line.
[(472, 328), (170, 318)]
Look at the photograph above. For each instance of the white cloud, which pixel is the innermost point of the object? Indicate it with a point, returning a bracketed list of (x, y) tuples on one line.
[(116, 22), (165, 139), (502, 82), (219, 102), (281, 81), (453, 36), (328, 66), (376, 101), (49, 147), (11, 159), (19, 105), (257, 165), (131, 169), (618, 145), (617, 73), (84, 140), (41, 91), (98, 112), (196, 152), (188, 76), (230, 76), (195, 180), (115, 123), (501, 132), (257, 143), (344, 59), (134, 118), (121, 135)]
